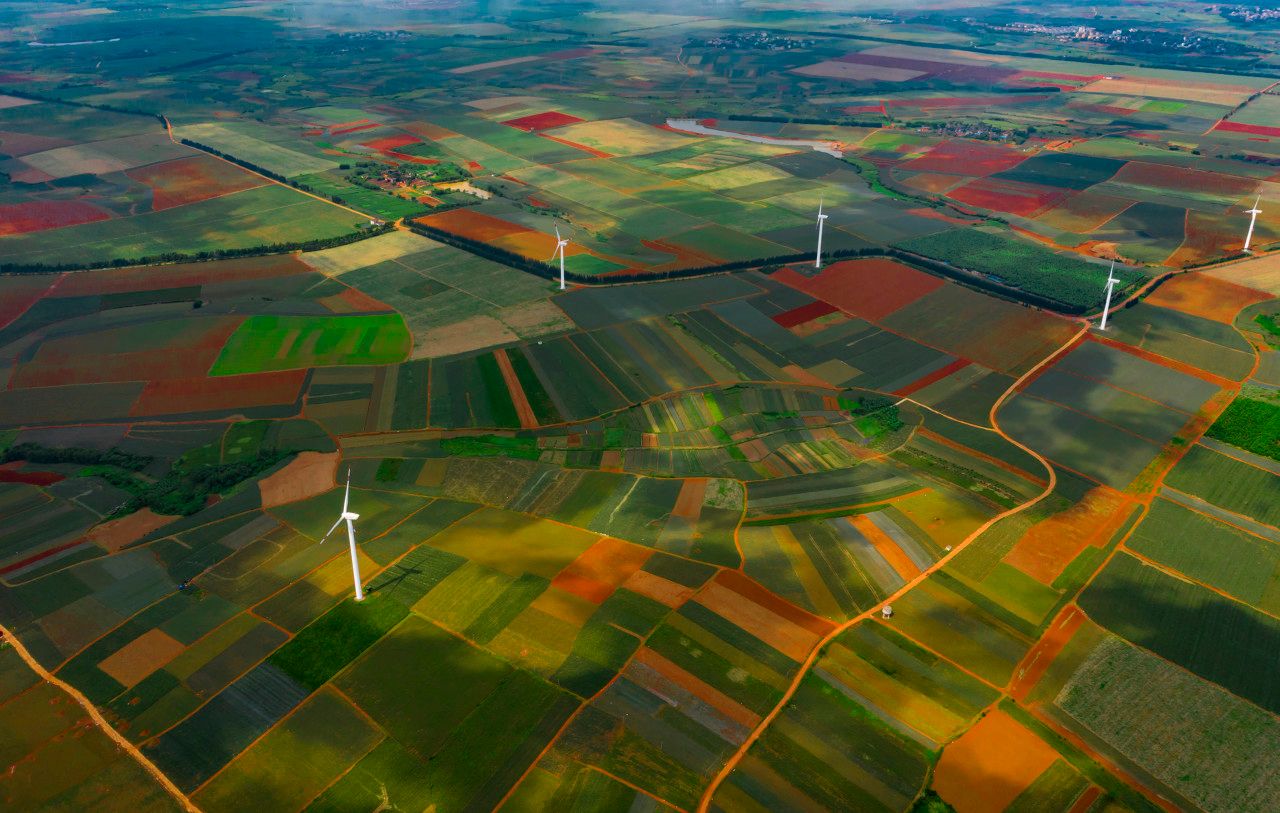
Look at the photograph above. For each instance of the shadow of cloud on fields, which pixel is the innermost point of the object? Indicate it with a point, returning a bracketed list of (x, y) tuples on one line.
[(1214, 637)]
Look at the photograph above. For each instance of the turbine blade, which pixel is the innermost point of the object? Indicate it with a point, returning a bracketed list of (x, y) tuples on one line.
[(346, 497), (558, 237), (332, 528)]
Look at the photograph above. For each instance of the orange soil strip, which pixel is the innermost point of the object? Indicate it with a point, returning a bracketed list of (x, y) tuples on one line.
[(689, 502), (523, 410), (712, 697), (933, 377), (474, 225), (1036, 662), (657, 588), (986, 458), (140, 657), (791, 640), (114, 535), (991, 763), (307, 475), (1046, 550), (601, 569), (182, 395), (362, 302), (583, 147), (741, 584), (802, 376), (1163, 361), (1086, 799), (1201, 295), (886, 547)]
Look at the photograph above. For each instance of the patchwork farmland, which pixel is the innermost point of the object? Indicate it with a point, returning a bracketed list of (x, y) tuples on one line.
[(718, 526)]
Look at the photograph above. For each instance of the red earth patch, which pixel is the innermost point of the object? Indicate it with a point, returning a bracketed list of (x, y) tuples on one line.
[(870, 289), (542, 121), (804, 313), (188, 180), (393, 142), (966, 158), (1007, 196), (1252, 129), (20, 218)]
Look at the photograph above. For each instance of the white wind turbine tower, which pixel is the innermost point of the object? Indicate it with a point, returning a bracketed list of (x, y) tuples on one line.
[(1253, 218), (817, 259), (560, 244), (1111, 285), (350, 519)]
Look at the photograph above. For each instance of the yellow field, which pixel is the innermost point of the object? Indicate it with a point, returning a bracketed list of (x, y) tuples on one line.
[(513, 543), (621, 137)]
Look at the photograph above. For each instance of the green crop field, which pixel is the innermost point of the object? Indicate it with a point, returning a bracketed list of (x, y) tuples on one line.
[(287, 342)]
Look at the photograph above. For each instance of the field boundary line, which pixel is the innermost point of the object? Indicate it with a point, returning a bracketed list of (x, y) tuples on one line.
[(100, 721), (704, 804)]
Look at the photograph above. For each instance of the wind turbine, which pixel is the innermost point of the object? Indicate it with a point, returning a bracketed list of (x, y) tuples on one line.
[(817, 259), (350, 518), (1253, 218), (1111, 284), (560, 244)]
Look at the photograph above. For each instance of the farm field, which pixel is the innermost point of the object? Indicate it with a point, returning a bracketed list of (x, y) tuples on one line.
[(719, 525)]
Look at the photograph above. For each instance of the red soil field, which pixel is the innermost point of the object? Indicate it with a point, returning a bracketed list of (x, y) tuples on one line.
[(583, 147), (1207, 236), (182, 395), (1012, 197), (966, 158), (352, 127), (392, 142), (601, 568), (147, 278), (44, 554), (1183, 179), (187, 180), (20, 218), (933, 377), (542, 121), (1046, 550), (1202, 295), (1252, 129), (474, 225), (870, 289), (98, 357), (1041, 656), (744, 586), (21, 292), (15, 473), (804, 313)]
